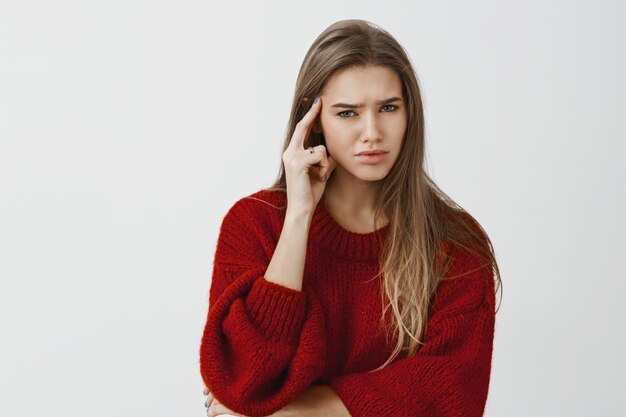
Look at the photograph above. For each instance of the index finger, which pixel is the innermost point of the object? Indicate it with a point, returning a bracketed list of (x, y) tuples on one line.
[(304, 125)]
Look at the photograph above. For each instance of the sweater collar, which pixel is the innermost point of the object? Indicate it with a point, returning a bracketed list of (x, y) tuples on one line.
[(343, 243)]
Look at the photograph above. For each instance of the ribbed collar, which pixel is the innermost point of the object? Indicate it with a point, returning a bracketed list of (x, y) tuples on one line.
[(327, 233), (343, 243)]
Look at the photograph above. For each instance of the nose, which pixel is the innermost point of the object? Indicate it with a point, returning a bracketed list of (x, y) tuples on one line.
[(371, 130)]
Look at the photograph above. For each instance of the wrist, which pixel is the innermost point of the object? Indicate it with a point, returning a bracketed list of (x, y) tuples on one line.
[(298, 216)]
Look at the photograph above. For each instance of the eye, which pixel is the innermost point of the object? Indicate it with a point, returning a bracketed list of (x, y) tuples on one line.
[(394, 108)]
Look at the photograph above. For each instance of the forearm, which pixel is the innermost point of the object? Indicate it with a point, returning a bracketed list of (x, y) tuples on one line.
[(318, 401), (336, 407), (287, 264)]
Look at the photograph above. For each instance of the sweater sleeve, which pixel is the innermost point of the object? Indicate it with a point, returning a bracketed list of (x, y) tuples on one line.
[(263, 343), (449, 375)]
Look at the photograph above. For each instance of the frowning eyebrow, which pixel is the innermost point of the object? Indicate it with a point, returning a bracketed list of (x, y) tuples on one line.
[(359, 105)]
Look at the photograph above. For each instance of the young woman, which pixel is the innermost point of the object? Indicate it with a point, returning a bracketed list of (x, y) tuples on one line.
[(354, 285)]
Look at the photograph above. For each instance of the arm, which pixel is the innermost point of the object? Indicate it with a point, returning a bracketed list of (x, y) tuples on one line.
[(263, 342), (287, 265), (449, 375), (331, 403), (316, 401), (335, 404)]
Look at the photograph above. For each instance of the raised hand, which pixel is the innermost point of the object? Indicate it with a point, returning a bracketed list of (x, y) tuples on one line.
[(306, 170)]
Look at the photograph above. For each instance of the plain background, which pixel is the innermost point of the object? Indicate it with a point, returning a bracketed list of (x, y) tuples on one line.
[(128, 128)]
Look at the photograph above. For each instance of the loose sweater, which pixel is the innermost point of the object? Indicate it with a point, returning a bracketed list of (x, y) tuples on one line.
[(264, 344)]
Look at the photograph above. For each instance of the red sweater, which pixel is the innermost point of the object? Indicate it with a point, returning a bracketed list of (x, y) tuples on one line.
[(264, 343)]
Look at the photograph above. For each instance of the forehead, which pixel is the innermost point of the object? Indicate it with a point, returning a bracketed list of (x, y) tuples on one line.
[(375, 82)]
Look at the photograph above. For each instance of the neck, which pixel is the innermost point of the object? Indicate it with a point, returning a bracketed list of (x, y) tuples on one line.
[(351, 197)]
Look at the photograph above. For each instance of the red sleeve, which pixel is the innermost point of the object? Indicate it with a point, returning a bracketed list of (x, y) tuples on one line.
[(263, 343), (449, 376)]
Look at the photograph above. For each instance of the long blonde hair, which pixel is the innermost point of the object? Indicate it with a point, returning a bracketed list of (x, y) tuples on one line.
[(420, 215)]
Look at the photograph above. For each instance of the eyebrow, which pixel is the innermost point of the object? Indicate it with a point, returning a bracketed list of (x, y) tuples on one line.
[(359, 105)]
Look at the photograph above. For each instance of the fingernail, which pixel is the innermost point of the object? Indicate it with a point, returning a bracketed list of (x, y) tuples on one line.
[(316, 100)]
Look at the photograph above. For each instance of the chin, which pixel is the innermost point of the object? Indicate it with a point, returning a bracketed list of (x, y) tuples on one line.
[(366, 173), (372, 175)]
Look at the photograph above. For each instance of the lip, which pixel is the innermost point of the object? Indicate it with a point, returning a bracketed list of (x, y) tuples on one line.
[(371, 159), (372, 152)]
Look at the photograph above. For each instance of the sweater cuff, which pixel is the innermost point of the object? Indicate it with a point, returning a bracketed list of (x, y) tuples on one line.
[(276, 310)]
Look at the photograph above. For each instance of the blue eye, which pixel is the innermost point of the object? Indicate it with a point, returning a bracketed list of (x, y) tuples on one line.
[(341, 114), (391, 105)]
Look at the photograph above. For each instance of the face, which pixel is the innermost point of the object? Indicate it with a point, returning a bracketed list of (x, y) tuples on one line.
[(359, 113)]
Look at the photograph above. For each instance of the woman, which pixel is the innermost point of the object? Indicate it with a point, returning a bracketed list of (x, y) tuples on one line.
[(353, 285)]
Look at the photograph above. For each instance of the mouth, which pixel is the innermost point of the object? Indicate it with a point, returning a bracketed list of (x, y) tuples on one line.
[(371, 158), (378, 152)]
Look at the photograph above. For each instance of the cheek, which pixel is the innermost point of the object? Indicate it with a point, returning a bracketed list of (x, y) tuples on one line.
[(396, 132), (338, 133), (329, 124)]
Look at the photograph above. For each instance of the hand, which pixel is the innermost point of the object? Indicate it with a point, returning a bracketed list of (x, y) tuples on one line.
[(216, 408), (306, 170)]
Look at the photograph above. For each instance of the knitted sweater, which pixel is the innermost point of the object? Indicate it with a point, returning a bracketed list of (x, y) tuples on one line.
[(264, 344)]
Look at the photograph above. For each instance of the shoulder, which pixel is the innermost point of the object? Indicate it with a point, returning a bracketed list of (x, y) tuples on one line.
[(259, 212), (251, 227), (264, 200)]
